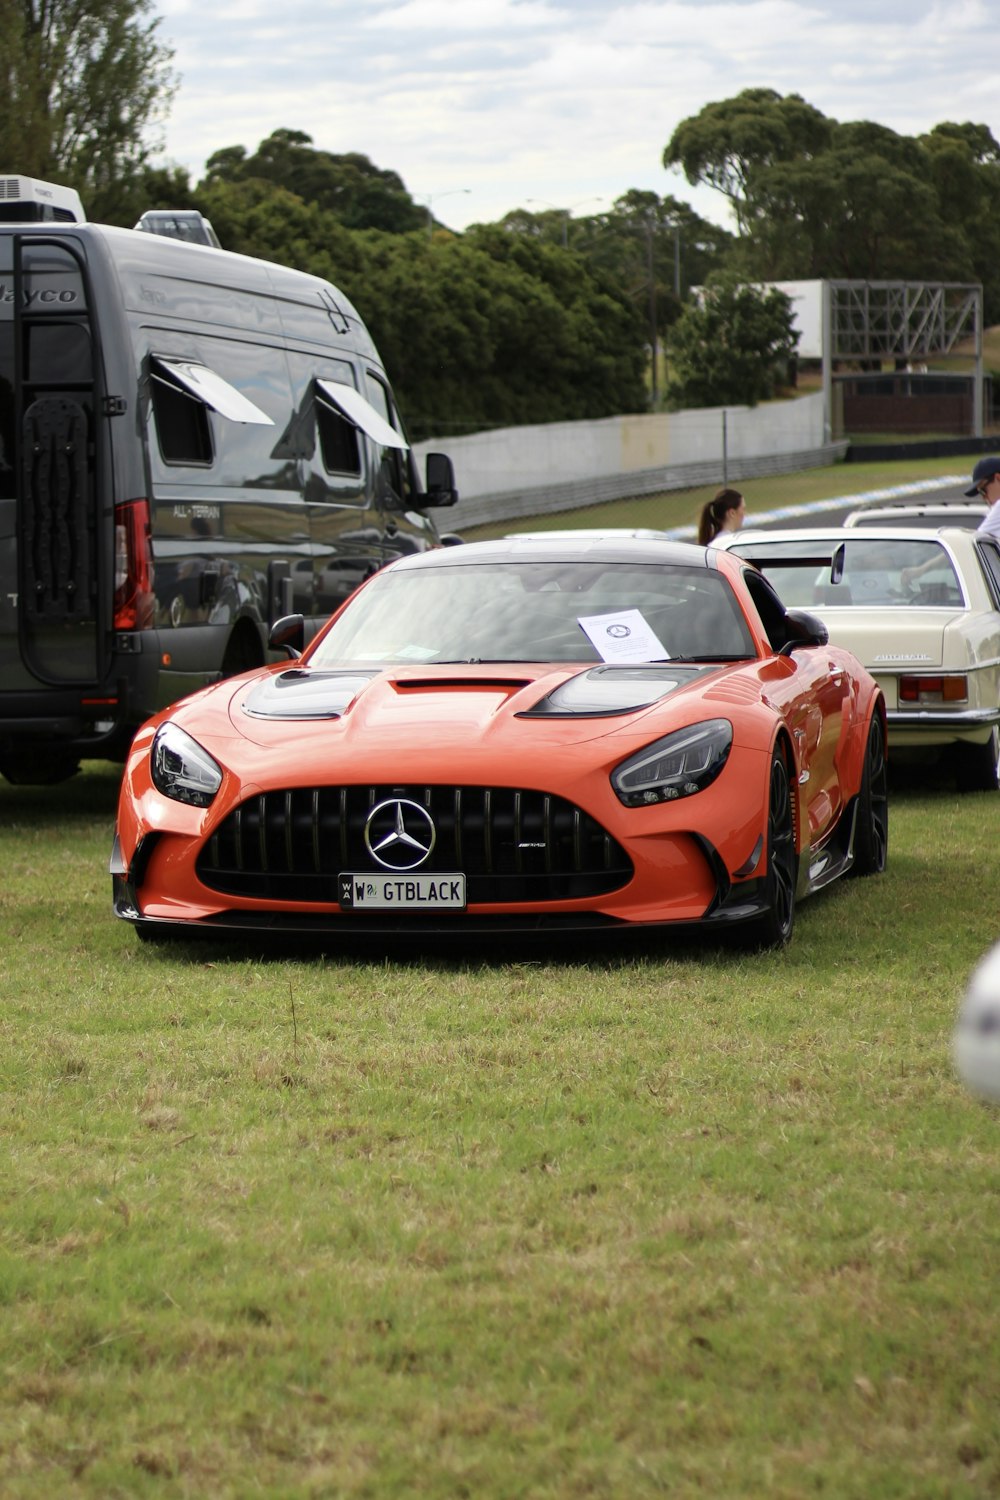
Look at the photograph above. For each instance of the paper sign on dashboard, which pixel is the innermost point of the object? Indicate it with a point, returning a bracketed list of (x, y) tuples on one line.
[(622, 636)]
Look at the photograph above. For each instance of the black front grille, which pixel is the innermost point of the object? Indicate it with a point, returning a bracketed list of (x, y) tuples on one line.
[(512, 845)]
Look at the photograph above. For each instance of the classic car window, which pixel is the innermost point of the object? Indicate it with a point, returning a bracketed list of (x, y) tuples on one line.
[(887, 572), (989, 555), (533, 612)]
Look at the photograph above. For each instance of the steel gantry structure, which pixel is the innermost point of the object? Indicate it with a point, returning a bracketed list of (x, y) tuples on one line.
[(911, 320)]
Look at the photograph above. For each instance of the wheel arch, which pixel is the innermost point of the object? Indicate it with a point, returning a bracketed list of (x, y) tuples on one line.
[(876, 706), (783, 742), (244, 648)]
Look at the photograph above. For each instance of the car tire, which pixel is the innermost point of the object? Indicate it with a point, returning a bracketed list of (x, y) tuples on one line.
[(977, 767), (871, 830), (774, 928), (39, 767)]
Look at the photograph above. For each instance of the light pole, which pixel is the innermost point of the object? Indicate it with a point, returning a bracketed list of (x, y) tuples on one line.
[(651, 273), (429, 198), (566, 212)]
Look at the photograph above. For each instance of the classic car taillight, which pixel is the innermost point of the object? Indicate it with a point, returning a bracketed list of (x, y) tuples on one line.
[(134, 600), (914, 688)]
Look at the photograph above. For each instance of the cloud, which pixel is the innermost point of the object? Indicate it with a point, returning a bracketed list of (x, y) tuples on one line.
[(445, 18), (521, 99)]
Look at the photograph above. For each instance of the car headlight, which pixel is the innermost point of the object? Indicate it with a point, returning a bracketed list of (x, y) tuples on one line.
[(679, 765), (181, 769)]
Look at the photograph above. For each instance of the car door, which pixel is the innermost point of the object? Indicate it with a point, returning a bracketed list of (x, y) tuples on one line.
[(811, 688)]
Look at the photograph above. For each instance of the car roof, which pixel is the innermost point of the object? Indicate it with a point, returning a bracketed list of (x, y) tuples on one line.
[(892, 507), (955, 535), (646, 532), (942, 512), (556, 547)]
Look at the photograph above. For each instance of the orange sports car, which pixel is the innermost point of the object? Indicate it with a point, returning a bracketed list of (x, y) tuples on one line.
[(516, 736)]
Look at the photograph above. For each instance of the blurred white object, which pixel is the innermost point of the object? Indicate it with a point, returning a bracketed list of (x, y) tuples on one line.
[(977, 1030)]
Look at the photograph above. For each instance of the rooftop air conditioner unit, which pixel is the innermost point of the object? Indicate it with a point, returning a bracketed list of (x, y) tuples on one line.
[(26, 200)]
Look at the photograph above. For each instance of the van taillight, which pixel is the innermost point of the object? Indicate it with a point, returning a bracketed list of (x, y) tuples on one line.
[(133, 567)]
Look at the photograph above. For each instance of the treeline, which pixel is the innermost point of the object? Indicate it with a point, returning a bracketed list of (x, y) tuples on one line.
[(537, 318), (543, 317), (816, 198)]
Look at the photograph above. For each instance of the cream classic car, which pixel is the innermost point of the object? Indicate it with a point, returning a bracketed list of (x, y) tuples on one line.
[(919, 513), (921, 609)]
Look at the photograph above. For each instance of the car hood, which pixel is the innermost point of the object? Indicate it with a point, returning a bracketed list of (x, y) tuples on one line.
[(457, 701), (297, 723)]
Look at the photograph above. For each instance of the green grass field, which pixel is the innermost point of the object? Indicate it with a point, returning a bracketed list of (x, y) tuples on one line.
[(615, 1221), (548, 1222)]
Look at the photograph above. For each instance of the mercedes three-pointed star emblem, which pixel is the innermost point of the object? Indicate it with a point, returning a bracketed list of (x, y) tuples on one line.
[(399, 834)]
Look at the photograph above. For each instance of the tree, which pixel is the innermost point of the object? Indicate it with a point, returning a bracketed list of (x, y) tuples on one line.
[(350, 187), (732, 345), (83, 85), (653, 249), (256, 218), (865, 207), (817, 198), (964, 167), (478, 331), (727, 144), (489, 330)]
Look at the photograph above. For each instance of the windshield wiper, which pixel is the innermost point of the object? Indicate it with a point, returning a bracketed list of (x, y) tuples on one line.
[(707, 660)]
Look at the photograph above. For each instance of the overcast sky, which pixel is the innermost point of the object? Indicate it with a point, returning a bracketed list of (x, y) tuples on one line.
[(565, 102)]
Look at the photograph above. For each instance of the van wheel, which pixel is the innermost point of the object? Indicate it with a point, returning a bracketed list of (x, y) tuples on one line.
[(39, 768), (242, 654)]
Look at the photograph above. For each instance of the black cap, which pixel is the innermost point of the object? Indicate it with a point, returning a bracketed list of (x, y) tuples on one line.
[(985, 469)]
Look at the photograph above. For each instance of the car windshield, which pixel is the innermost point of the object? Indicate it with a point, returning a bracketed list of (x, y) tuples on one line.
[(556, 611), (860, 573)]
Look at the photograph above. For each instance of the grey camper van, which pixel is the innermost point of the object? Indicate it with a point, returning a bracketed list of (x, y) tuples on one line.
[(193, 444)]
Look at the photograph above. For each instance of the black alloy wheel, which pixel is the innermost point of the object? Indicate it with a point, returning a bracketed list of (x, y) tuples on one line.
[(871, 833), (774, 928)]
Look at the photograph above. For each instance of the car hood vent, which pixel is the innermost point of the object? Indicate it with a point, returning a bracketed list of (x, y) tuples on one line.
[(301, 694)]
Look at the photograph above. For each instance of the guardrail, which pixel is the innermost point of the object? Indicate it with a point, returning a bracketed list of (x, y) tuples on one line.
[(512, 472)]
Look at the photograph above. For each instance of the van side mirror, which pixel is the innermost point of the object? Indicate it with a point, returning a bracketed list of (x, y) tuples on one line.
[(289, 635), (440, 484)]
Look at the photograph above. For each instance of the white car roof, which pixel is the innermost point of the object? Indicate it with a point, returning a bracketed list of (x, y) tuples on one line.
[(960, 536), (958, 513)]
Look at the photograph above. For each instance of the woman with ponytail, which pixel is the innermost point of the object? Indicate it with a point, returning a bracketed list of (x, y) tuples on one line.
[(726, 512)]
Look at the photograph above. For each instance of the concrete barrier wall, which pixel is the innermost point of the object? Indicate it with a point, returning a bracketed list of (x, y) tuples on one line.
[(521, 471)]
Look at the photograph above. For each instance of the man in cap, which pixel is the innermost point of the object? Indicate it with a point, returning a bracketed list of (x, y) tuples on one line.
[(986, 484)]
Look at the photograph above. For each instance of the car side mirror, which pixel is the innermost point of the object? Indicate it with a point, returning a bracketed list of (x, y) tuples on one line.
[(804, 629), (289, 635)]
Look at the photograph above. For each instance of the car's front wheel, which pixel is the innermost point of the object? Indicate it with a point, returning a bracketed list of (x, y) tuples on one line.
[(774, 928), (977, 767)]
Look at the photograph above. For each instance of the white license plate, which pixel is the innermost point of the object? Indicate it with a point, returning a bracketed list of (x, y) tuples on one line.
[(401, 892)]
